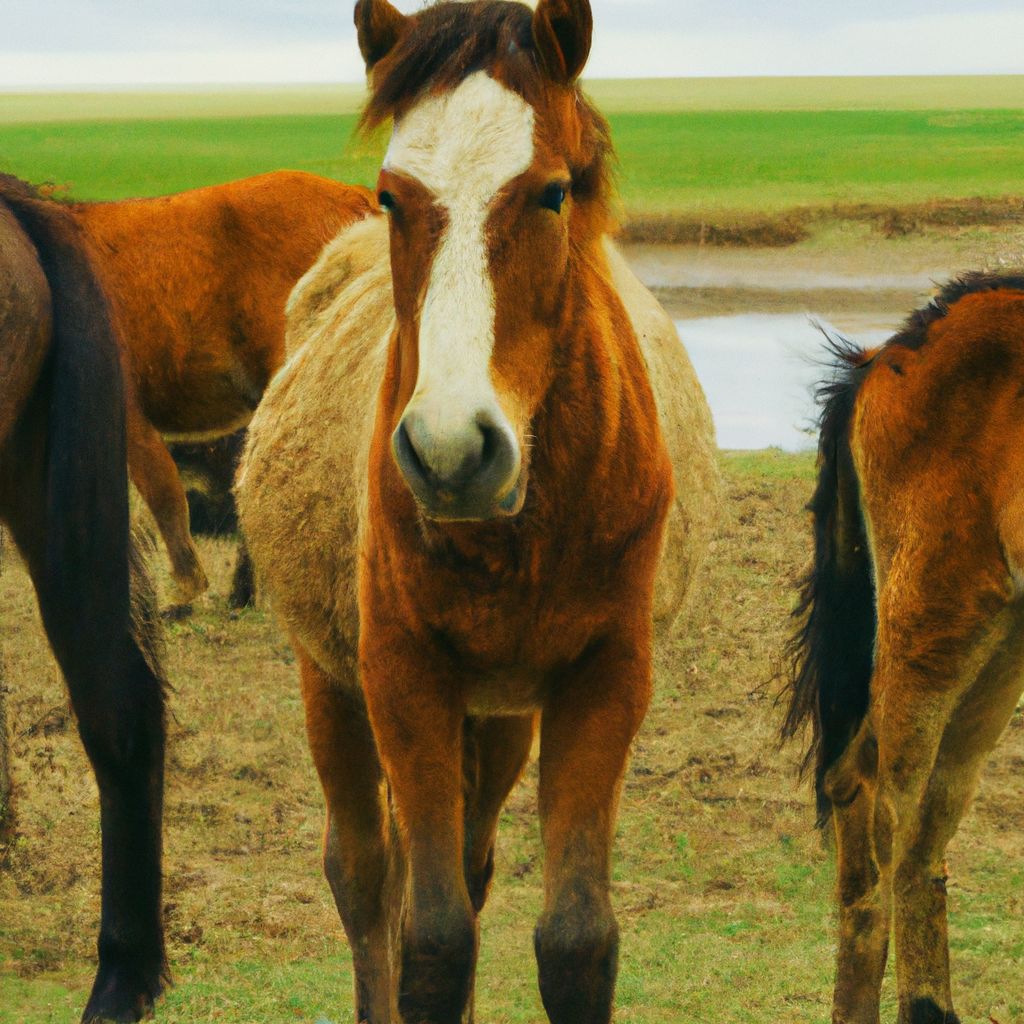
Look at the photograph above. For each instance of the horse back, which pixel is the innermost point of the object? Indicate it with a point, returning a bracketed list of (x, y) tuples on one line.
[(199, 282), (938, 437)]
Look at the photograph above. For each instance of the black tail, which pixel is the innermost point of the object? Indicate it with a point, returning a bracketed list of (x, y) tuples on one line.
[(832, 649), (86, 576)]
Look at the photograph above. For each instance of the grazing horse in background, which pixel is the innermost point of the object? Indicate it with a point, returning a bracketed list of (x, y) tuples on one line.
[(64, 497), (198, 283), (456, 492), (910, 657)]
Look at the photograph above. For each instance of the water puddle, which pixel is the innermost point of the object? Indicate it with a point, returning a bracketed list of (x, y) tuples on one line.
[(759, 370)]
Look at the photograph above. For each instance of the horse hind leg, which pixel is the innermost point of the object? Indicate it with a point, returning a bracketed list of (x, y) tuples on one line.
[(922, 939), (155, 475), (932, 645), (865, 904), (362, 859)]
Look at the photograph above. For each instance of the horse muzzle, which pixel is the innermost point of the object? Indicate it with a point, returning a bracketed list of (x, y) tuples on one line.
[(467, 471)]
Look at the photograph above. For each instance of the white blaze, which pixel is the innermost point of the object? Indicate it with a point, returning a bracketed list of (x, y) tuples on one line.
[(464, 147)]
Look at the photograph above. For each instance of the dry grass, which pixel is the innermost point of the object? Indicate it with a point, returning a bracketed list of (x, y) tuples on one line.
[(722, 886)]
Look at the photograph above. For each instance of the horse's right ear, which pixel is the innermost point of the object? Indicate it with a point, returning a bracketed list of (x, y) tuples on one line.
[(562, 32), (379, 26)]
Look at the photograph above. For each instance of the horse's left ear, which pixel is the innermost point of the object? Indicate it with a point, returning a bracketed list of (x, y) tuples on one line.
[(562, 31), (378, 26)]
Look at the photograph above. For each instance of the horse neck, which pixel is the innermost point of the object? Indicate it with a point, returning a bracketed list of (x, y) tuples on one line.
[(599, 411)]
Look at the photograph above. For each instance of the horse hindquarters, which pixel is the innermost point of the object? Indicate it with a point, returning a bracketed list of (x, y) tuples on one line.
[(67, 505)]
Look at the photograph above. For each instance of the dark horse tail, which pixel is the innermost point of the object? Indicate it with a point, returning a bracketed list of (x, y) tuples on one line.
[(86, 577), (97, 604), (832, 649)]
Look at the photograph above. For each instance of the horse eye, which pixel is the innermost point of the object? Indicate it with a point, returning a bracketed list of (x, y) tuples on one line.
[(554, 196), (386, 200)]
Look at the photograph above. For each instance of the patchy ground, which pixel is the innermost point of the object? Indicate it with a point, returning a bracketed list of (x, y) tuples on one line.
[(722, 885)]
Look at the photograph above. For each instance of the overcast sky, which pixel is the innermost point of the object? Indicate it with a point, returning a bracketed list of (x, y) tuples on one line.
[(101, 42)]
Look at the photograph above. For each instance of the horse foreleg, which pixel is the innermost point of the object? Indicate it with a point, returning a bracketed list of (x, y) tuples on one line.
[(155, 475), (496, 751), (587, 726), (922, 942), (494, 754), (418, 716), (362, 861)]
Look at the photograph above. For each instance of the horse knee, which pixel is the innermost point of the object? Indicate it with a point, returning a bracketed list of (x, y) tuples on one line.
[(438, 958), (577, 959)]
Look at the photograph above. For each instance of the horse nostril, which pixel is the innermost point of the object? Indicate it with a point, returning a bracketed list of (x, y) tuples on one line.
[(408, 453), (456, 469), (491, 446)]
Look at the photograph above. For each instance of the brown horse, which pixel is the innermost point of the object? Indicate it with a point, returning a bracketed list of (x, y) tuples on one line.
[(64, 497), (198, 283), (910, 655), (456, 494)]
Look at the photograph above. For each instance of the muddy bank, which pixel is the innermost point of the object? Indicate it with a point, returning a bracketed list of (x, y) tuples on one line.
[(846, 269), (788, 227)]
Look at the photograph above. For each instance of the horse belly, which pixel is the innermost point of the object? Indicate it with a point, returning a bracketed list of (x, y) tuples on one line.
[(200, 405)]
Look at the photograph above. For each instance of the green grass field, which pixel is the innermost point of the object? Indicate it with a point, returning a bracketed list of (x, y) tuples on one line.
[(686, 147)]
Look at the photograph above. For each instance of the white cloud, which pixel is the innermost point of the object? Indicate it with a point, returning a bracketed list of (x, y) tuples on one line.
[(82, 42), (924, 45)]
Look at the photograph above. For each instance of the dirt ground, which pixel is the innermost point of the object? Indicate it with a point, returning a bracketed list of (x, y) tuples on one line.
[(722, 885)]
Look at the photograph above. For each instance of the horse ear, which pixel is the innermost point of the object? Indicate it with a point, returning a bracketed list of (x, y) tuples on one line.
[(378, 26), (562, 31)]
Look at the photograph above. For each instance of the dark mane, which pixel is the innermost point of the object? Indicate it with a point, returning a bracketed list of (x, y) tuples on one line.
[(914, 332), (450, 41), (447, 43)]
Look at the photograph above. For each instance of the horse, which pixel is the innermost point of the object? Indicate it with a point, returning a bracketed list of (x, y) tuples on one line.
[(64, 500), (909, 653), (456, 492), (198, 283)]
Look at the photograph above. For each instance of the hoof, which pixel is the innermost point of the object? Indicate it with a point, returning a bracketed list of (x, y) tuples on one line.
[(926, 1011), (188, 587), (176, 612), (124, 994)]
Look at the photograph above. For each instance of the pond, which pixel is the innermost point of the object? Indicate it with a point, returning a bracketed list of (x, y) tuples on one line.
[(759, 370)]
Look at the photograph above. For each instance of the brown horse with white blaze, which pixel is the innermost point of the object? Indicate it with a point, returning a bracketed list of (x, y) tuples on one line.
[(456, 494), (910, 657)]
